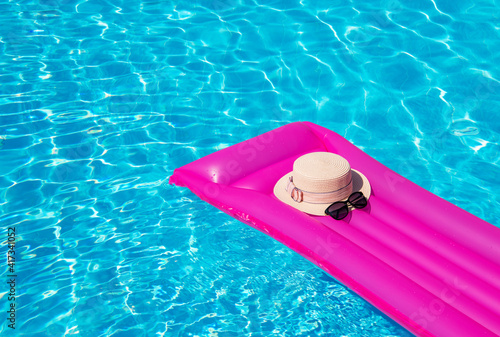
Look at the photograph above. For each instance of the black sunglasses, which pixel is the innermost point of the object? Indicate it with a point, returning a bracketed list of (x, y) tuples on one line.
[(339, 209)]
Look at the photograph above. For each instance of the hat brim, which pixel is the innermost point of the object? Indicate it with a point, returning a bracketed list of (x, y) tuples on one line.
[(360, 183)]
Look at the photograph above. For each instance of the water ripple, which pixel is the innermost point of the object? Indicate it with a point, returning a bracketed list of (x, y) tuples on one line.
[(101, 101)]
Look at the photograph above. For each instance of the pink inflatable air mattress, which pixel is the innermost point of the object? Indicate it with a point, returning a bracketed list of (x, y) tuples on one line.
[(431, 266)]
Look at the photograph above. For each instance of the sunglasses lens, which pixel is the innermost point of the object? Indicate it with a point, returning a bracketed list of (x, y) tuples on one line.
[(337, 210), (358, 200)]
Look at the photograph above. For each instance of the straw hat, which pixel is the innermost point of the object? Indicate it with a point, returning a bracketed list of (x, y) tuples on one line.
[(319, 179)]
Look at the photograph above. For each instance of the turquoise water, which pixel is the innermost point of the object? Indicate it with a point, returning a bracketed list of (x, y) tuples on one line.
[(101, 100)]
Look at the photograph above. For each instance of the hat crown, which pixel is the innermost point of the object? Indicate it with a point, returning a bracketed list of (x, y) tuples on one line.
[(323, 172)]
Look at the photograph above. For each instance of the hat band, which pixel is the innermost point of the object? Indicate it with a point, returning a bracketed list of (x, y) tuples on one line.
[(299, 195)]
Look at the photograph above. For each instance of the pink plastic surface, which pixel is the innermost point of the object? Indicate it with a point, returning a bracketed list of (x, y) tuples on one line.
[(431, 266)]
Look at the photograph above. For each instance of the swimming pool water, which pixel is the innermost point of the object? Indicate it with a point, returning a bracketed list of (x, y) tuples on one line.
[(101, 100)]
